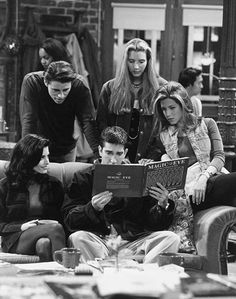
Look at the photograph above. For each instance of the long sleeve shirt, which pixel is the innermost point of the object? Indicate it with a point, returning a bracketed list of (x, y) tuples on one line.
[(41, 115), (131, 217)]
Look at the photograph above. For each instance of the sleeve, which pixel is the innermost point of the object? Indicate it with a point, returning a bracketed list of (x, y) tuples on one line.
[(28, 106), (77, 209), (102, 111), (157, 217), (217, 149), (85, 113), (155, 148), (197, 106), (5, 226)]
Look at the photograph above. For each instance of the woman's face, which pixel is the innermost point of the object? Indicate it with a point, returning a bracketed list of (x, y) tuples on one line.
[(42, 166), (172, 111), (137, 61), (45, 58)]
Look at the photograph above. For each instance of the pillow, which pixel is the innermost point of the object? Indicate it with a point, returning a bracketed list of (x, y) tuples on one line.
[(182, 223)]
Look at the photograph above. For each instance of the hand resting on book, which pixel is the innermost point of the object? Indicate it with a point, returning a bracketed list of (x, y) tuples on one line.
[(145, 161), (160, 193)]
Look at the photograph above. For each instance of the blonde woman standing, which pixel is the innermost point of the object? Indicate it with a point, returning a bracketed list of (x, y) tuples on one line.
[(127, 100)]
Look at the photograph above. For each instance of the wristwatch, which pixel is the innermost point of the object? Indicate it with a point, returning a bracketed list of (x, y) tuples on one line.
[(166, 206), (208, 174)]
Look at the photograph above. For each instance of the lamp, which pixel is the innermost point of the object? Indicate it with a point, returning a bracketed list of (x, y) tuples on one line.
[(12, 45), (207, 57)]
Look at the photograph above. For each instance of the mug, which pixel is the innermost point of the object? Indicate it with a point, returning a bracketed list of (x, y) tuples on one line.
[(68, 257), (166, 258)]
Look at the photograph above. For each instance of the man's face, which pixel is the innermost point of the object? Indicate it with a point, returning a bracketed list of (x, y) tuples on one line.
[(197, 86), (112, 153), (58, 91)]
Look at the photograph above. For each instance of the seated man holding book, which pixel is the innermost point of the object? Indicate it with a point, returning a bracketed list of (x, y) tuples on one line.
[(93, 219)]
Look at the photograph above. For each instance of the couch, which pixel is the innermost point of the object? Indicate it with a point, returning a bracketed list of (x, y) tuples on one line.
[(211, 227)]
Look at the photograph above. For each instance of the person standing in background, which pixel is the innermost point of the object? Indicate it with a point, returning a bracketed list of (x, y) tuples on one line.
[(51, 50), (191, 79), (127, 100), (50, 103)]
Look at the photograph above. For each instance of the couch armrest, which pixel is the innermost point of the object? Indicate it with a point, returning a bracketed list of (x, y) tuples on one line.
[(211, 228)]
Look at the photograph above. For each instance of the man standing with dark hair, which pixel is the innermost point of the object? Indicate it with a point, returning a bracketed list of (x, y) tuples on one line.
[(191, 79), (141, 223), (50, 101)]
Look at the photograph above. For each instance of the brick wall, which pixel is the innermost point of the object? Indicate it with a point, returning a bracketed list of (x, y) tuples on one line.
[(90, 18)]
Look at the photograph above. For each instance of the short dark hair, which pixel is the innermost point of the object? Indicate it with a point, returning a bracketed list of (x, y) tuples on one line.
[(188, 76), (60, 71), (25, 156), (114, 135), (55, 49)]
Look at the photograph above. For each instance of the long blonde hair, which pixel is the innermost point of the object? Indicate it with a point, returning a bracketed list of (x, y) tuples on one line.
[(121, 90)]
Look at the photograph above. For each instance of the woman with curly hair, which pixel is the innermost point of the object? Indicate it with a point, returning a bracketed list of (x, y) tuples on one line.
[(30, 202), (127, 100)]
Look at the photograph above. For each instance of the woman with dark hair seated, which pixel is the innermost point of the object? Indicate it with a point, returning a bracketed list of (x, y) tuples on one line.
[(30, 202)]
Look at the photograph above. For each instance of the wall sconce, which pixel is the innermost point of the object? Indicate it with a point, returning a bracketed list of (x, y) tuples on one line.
[(12, 45), (207, 57)]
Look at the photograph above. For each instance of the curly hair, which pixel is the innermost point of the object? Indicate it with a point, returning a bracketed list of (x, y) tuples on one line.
[(114, 135), (25, 156), (121, 92)]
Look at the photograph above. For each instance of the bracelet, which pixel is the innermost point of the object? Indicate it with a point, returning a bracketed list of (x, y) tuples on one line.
[(167, 206), (206, 174)]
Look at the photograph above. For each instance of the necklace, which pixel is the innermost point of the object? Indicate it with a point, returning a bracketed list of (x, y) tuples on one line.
[(136, 85)]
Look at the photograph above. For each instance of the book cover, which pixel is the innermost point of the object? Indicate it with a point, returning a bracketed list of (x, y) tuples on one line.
[(124, 180), (133, 180), (171, 174)]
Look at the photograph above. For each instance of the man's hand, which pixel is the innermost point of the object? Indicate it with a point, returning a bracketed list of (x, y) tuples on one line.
[(160, 193), (101, 199), (199, 190), (29, 224)]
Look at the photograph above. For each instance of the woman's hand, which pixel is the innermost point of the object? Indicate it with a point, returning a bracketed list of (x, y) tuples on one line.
[(199, 190), (29, 224), (101, 199), (145, 161), (160, 193)]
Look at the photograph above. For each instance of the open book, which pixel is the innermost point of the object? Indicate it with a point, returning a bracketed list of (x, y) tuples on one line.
[(133, 180)]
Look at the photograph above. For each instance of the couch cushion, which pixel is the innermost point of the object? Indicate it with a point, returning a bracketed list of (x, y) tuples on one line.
[(62, 171), (65, 171)]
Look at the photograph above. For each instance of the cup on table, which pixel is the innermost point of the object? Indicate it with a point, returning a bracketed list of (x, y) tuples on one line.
[(68, 257), (167, 258)]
